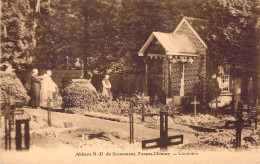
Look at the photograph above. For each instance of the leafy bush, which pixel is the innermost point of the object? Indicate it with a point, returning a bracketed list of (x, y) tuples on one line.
[(212, 92), (79, 94), (11, 85)]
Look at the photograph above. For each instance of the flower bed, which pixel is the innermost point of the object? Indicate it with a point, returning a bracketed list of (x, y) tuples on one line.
[(203, 120)]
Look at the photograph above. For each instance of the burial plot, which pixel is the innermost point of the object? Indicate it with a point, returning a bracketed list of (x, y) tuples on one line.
[(10, 113), (216, 101), (49, 100), (133, 108), (164, 141)]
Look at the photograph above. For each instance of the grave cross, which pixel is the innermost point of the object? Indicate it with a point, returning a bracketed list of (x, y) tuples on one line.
[(9, 112), (239, 124), (164, 141), (49, 100), (171, 103), (195, 103), (256, 114), (131, 123), (217, 101)]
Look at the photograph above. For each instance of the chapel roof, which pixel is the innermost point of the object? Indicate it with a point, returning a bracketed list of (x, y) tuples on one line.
[(175, 42), (179, 44), (199, 25)]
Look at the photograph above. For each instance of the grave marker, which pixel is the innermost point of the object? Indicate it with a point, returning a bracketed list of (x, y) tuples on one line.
[(49, 100), (195, 103), (256, 114), (164, 141), (171, 103), (239, 124), (131, 123), (9, 113), (217, 101)]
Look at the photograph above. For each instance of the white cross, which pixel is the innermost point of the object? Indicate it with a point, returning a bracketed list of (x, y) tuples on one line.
[(195, 102)]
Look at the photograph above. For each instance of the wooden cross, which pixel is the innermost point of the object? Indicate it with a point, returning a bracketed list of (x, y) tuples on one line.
[(239, 124), (217, 101), (170, 102), (164, 141), (195, 103), (10, 105), (49, 100), (9, 113), (11, 100), (131, 122), (256, 114)]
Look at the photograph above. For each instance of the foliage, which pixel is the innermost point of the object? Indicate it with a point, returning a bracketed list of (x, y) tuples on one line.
[(101, 34), (92, 36), (59, 41), (232, 39), (79, 94), (113, 107), (212, 92), (11, 85), (18, 33), (107, 34)]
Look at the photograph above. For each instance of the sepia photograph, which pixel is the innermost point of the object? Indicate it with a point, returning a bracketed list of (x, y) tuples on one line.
[(130, 81)]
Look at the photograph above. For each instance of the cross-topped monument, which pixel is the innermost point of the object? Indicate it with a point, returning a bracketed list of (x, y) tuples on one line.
[(49, 100), (195, 103), (216, 101)]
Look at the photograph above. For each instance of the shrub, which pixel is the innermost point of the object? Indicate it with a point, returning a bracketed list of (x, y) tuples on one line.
[(79, 93), (212, 92), (10, 81)]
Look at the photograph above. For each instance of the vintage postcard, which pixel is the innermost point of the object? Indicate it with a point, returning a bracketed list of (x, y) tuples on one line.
[(130, 81)]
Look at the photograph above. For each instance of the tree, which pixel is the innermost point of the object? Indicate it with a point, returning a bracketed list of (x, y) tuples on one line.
[(18, 34), (100, 33), (138, 19), (232, 40), (59, 34), (70, 29)]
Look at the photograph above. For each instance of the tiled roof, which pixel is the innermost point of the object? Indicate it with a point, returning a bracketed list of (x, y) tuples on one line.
[(200, 26), (173, 43), (179, 44)]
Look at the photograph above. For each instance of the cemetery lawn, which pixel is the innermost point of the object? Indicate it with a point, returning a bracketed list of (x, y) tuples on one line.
[(106, 131)]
